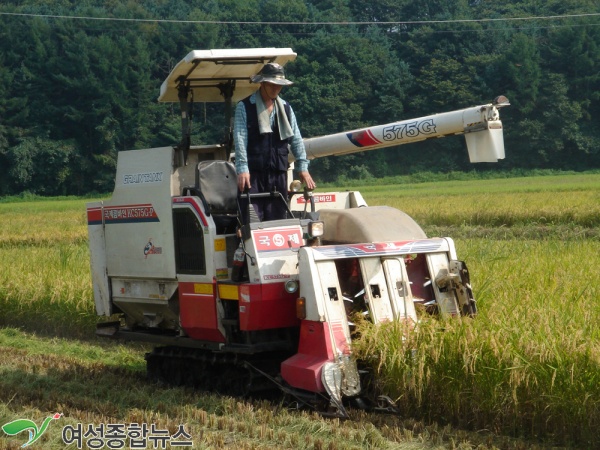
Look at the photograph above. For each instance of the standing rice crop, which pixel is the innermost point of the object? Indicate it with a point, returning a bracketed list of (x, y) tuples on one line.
[(528, 364), (44, 267)]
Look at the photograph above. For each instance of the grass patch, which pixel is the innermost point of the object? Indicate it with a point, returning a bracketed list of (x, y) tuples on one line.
[(103, 383), (550, 201), (539, 175), (45, 282), (47, 288)]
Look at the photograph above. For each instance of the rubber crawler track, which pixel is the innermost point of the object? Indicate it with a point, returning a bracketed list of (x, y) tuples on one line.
[(223, 373), (246, 376)]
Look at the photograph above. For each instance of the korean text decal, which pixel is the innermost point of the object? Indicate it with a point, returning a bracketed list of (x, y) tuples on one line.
[(277, 238)]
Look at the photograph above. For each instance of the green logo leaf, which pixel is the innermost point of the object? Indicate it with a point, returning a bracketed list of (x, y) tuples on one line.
[(20, 425)]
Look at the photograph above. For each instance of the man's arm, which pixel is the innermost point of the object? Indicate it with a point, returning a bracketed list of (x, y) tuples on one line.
[(240, 139)]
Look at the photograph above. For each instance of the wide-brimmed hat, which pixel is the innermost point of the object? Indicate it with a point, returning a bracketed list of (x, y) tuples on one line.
[(271, 73)]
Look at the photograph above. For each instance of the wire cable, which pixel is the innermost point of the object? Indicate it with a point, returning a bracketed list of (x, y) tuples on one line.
[(221, 22)]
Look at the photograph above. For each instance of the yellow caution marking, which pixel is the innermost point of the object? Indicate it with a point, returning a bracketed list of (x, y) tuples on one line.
[(220, 245), (203, 288), (228, 291)]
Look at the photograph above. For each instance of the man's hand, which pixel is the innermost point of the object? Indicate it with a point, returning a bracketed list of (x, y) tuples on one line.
[(243, 181), (307, 180)]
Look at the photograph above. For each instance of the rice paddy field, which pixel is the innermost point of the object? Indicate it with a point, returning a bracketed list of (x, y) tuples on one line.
[(525, 373)]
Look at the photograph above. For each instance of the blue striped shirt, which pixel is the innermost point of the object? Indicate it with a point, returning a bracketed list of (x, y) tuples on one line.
[(240, 138)]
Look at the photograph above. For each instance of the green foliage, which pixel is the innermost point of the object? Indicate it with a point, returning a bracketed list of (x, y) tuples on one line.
[(521, 72), (41, 166), (78, 91)]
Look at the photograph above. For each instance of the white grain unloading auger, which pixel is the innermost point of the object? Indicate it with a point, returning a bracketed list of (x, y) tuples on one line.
[(232, 306)]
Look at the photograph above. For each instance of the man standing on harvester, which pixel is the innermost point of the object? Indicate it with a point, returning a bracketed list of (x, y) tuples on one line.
[(265, 129)]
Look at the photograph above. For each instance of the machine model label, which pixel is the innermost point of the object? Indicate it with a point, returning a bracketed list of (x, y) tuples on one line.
[(278, 276), (411, 130), (130, 214), (322, 198), (143, 178), (277, 238), (380, 248), (394, 132)]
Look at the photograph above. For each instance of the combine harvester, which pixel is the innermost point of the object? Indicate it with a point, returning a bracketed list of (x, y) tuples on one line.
[(242, 308)]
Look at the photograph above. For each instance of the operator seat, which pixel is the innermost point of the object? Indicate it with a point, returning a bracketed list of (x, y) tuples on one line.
[(217, 182)]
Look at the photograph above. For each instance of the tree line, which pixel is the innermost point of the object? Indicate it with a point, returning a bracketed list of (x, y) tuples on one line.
[(77, 87)]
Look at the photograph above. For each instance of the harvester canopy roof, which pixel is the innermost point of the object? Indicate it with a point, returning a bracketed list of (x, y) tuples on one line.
[(206, 72)]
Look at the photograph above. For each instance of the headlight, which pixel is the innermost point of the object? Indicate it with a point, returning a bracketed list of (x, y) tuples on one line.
[(315, 229), (296, 186), (291, 286)]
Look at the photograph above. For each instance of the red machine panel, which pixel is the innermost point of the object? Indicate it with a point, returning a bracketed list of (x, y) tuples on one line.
[(303, 370), (265, 306), (198, 311)]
